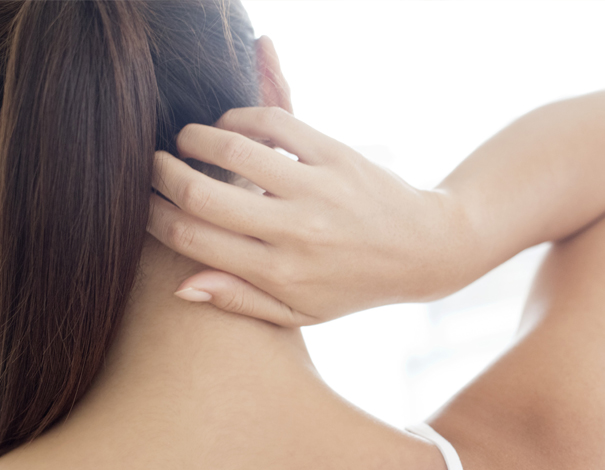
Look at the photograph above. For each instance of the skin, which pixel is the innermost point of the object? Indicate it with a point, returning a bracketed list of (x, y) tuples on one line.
[(542, 404), (181, 390), (540, 179), (190, 386), (294, 258)]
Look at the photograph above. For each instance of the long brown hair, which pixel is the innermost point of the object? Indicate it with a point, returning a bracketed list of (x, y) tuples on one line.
[(89, 90)]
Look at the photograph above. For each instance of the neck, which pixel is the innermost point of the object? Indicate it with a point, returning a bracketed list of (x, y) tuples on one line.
[(189, 386)]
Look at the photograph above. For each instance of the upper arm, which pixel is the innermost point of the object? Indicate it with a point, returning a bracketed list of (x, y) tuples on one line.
[(542, 404)]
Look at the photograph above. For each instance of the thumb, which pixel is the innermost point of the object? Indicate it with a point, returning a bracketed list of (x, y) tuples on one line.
[(233, 294)]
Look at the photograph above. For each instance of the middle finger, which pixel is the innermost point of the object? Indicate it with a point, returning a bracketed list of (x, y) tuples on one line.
[(222, 204)]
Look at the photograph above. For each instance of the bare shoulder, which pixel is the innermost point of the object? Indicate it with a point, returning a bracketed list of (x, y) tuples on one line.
[(542, 404)]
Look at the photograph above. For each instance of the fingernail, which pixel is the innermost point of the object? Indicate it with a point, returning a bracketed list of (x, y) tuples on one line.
[(193, 295)]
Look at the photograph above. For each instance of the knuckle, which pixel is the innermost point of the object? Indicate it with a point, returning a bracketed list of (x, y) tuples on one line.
[(228, 118), (315, 231), (346, 192), (284, 277), (161, 156), (236, 151), (194, 198), (286, 231), (180, 235), (273, 116), (234, 302), (187, 135), (289, 318)]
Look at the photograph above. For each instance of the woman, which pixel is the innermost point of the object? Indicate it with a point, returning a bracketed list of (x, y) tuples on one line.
[(339, 234), (187, 385), (90, 89), (541, 404)]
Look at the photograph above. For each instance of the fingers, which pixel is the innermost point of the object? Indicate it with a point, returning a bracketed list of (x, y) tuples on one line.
[(235, 295), (263, 166), (284, 130), (219, 203), (205, 242)]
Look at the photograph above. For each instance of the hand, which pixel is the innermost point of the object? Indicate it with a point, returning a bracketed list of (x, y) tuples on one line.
[(333, 233)]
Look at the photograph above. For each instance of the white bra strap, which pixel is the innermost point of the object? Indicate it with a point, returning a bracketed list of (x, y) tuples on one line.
[(447, 450)]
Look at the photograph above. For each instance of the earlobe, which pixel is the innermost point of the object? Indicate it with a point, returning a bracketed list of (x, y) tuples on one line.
[(274, 88)]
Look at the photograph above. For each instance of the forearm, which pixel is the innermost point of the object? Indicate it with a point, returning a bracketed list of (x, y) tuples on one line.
[(540, 179), (340, 234)]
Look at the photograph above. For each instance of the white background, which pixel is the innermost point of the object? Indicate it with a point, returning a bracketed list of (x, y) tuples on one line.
[(417, 86)]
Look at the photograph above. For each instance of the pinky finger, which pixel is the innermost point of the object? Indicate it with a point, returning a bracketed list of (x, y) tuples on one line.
[(233, 294)]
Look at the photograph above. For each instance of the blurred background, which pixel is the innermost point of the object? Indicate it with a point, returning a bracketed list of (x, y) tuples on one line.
[(416, 86)]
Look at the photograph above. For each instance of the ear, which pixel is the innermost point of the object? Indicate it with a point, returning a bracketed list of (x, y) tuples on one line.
[(274, 88)]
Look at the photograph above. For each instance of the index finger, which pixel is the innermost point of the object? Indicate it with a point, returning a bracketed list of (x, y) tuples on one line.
[(285, 131), (262, 165)]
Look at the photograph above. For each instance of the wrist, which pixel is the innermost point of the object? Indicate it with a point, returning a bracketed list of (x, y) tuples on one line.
[(455, 244)]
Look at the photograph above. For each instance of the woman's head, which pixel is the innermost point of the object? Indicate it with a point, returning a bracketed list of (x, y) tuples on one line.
[(90, 90)]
